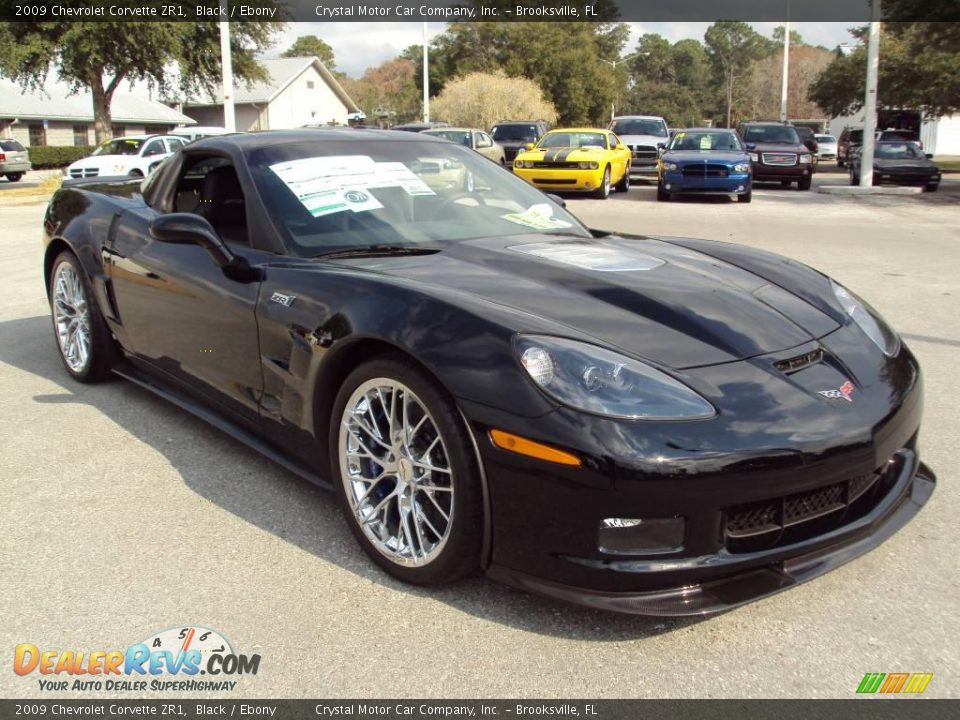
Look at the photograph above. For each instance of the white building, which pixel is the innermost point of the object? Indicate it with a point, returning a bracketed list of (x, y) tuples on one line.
[(300, 91), (54, 116), (940, 137)]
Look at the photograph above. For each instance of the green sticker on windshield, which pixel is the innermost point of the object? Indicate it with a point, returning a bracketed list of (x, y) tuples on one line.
[(704, 142)]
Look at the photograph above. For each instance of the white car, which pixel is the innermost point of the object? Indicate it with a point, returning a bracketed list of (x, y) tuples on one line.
[(826, 147), (645, 135), (134, 155)]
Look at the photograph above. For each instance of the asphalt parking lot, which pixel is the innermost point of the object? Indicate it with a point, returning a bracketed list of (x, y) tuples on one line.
[(123, 515)]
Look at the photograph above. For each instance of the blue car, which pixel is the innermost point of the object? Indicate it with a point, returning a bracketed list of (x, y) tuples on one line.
[(705, 162)]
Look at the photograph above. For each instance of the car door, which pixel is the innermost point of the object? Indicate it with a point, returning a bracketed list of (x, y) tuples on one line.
[(182, 317), (485, 146)]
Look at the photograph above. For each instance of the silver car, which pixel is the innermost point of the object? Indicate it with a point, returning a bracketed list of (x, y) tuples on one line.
[(14, 160), (473, 138), (646, 136), (826, 147)]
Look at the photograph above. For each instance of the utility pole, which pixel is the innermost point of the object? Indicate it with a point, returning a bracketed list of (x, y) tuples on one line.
[(226, 63), (426, 76), (786, 70), (870, 99)]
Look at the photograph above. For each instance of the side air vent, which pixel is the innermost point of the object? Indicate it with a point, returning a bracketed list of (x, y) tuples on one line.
[(794, 364)]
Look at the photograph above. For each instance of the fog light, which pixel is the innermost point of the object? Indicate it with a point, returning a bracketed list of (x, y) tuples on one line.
[(630, 536), (589, 184), (667, 186)]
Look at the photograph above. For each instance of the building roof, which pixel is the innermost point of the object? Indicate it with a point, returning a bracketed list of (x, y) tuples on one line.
[(55, 102), (282, 72)]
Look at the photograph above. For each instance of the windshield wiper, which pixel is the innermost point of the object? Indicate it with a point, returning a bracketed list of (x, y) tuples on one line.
[(376, 251)]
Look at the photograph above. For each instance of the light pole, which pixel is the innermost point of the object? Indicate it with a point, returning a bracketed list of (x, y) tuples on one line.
[(426, 76), (226, 62), (786, 69), (613, 64), (870, 99)]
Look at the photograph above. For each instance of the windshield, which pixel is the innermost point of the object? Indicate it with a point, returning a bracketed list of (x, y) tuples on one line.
[(894, 151), (778, 134), (461, 137), (826, 138), (122, 146), (516, 133), (567, 139), (336, 195), (637, 126), (706, 142), (856, 136)]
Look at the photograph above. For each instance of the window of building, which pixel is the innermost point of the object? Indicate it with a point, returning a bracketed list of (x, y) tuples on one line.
[(118, 131), (38, 135), (81, 135), (309, 84)]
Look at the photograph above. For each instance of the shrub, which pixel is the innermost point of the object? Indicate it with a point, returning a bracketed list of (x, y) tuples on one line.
[(46, 157), (482, 99)]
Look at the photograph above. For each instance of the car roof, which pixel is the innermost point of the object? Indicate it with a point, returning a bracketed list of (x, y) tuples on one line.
[(706, 130), (267, 138), (577, 129), (638, 117), (428, 131)]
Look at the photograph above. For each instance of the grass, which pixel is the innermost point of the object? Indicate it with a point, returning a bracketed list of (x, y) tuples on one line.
[(48, 186), (949, 163)]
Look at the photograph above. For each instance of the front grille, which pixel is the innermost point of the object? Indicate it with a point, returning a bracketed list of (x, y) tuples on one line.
[(84, 172), (784, 159), (789, 519), (644, 152), (555, 164), (705, 170)]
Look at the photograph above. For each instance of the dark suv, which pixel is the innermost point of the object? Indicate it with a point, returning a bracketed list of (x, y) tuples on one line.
[(777, 153), (514, 135), (850, 139)]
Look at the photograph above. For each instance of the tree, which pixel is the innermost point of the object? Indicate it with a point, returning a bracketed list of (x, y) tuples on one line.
[(795, 37), (387, 92), (311, 46), (732, 47), (760, 93), (481, 99), (669, 80), (98, 56), (919, 69)]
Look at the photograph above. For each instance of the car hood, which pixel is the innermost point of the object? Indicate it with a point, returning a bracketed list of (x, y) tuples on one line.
[(101, 160), (650, 298), (644, 140), (561, 154), (692, 156), (904, 164)]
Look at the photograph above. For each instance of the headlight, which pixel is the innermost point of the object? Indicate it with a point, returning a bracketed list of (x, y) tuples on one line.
[(670, 166), (741, 167), (584, 165), (883, 336), (528, 163), (806, 158), (754, 157), (589, 378), (594, 165), (518, 163)]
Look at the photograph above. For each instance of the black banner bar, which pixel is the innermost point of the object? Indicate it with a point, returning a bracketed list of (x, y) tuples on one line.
[(852, 11), (874, 708)]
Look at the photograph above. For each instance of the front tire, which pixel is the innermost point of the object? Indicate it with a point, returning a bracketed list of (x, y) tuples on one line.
[(603, 192), (624, 184), (804, 183), (87, 349), (746, 197), (406, 473)]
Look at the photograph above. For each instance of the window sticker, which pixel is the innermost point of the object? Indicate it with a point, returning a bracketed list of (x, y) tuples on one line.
[(704, 142), (538, 217), (338, 183)]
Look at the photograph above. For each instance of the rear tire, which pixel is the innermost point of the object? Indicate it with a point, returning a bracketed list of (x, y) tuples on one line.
[(14, 177), (804, 183), (87, 349), (419, 536)]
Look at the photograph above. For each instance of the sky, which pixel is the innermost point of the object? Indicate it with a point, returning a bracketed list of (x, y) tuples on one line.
[(357, 46)]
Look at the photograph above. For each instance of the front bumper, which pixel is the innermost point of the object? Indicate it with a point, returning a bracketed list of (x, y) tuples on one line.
[(793, 173), (895, 178), (562, 179), (777, 570), (733, 184)]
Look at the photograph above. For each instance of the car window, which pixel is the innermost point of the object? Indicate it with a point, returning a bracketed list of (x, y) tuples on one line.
[(461, 137), (706, 142), (154, 147), (485, 139), (175, 144), (825, 138), (331, 195), (893, 151), (777, 134), (120, 146), (515, 132), (573, 139), (11, 146), (637, 126)]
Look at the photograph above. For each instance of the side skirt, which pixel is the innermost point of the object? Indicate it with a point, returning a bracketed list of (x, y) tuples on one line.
[(128, 372)]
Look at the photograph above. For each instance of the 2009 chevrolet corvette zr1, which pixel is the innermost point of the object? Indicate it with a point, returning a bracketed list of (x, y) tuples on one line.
[(650, 425)]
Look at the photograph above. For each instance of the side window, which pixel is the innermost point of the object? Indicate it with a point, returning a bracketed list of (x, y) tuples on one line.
[(209, 187), (485, 140), (154, 147), (174, 144)]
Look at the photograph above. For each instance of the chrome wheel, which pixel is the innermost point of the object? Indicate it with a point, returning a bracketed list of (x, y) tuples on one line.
[(396, 472), (72, 317)]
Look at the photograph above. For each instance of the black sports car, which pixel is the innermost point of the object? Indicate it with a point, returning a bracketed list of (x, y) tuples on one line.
[(649, 425), (898, 162)]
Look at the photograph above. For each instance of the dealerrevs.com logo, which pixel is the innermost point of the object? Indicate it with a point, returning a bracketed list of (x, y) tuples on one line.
[(188, 658)]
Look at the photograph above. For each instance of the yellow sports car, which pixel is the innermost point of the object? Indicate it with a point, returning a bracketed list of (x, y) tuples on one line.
[(581, 159)]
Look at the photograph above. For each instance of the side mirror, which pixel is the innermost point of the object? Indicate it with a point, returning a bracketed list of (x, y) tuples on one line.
[(529, 146), (929, 156), (190, 229), (751, 146), (660, 151), (557, 199)]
